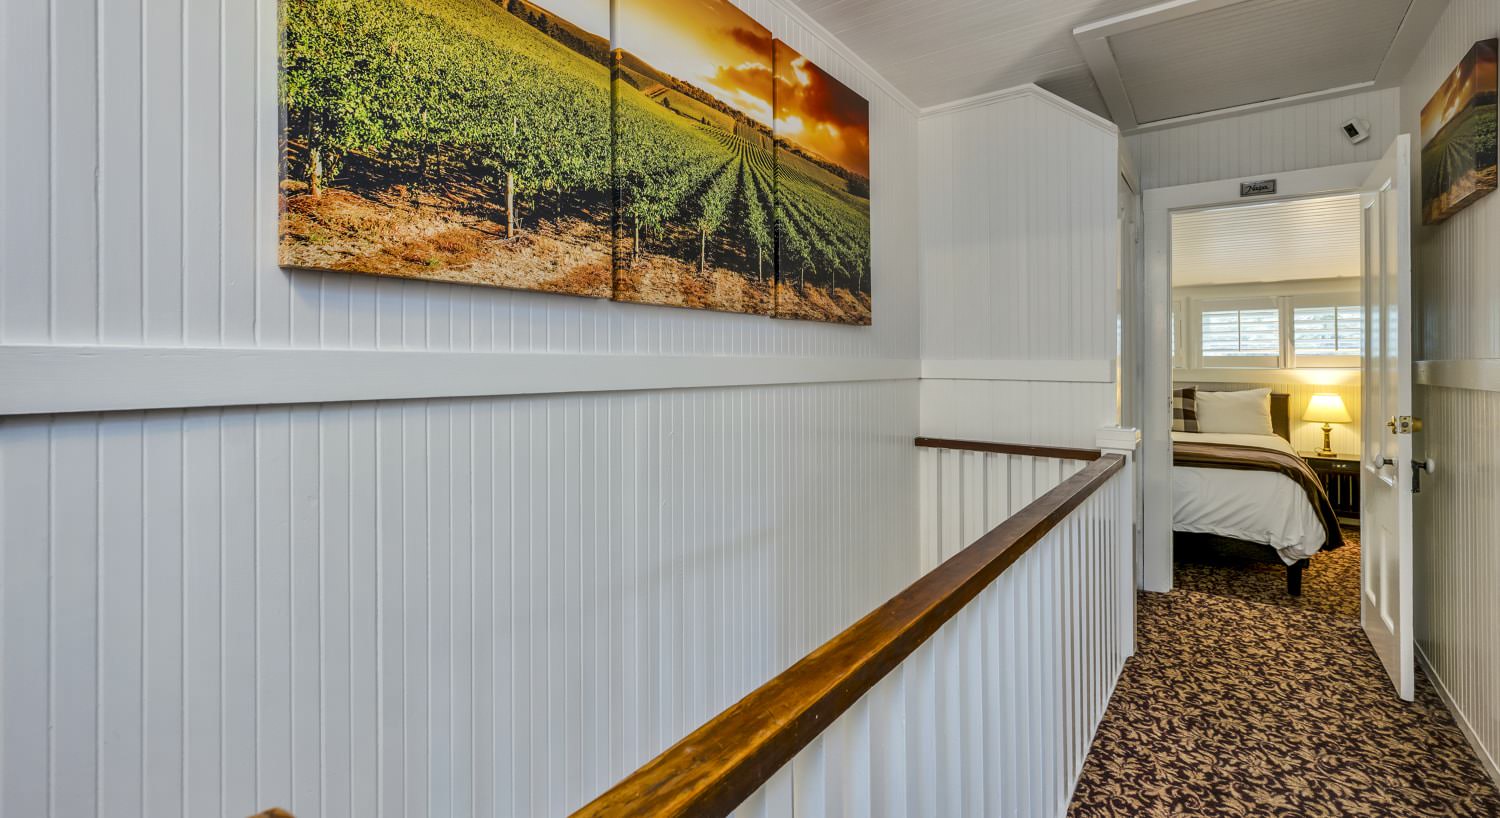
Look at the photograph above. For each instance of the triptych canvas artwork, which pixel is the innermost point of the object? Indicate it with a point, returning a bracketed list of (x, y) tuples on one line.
[(680, 156)]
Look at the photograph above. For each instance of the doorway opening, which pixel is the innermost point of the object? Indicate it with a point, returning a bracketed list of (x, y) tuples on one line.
[(1206, 323), (1266, 337)]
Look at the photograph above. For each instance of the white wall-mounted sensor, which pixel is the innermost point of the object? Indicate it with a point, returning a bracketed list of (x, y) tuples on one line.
[(1356, 130)]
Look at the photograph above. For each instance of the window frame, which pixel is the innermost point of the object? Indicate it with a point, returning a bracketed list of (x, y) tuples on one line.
[(1200, 360), (1331, 300)]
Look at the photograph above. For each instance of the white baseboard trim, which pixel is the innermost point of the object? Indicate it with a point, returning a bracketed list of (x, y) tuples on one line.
[(1100, 370), (62, 379), (1486, 760)]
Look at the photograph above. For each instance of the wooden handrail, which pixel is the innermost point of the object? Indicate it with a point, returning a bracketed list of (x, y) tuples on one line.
[(716, 767), (1027, 449)]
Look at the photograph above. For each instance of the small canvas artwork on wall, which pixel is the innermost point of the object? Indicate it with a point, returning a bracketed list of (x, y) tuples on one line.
[(822, 194), (1458, 136), (451, 140), (693, 158)]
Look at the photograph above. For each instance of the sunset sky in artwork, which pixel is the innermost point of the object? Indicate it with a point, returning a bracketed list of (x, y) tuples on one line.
[(590, 15), (1470, 77), (708, 43), (819, 113)]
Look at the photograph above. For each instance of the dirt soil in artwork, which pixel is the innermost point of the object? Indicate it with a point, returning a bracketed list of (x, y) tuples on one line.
[(445, 236)]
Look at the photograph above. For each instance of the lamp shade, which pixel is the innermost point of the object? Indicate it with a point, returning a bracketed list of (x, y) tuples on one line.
[(1327, 409)]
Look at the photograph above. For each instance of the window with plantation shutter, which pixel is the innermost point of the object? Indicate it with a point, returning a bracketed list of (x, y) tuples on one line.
[(1328, 330), (1240, 337), (1328, 335)]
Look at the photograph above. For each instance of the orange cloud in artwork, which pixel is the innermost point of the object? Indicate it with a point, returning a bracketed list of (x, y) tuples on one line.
[(710, 44), (1470, 78), (820, 114)]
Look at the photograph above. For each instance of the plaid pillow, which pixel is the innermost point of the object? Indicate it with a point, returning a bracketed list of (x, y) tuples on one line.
[(1185, 409)]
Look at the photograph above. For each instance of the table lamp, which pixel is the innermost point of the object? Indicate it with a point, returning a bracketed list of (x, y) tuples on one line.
[(1326, 409)]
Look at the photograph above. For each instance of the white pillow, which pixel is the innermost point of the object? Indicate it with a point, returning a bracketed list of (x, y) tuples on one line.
[(1235, 413)]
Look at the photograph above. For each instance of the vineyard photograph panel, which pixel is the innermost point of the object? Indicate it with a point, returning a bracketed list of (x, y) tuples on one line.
[(1458, 136), (452, 140), (822, 194), (694, 167)]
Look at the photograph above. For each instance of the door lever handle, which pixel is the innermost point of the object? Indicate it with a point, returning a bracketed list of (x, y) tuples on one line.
[(1417, 467)]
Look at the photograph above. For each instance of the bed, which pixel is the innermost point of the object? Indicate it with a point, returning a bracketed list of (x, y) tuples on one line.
[(1252, 489)]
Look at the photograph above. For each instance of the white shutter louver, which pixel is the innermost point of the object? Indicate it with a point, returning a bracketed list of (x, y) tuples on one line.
[(1328, 331), (1241, 333)]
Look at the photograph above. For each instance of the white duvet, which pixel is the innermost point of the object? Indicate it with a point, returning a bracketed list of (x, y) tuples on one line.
[(1258, 506)]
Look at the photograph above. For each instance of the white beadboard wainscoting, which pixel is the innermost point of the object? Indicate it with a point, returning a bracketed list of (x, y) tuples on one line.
[(993, 714), (1457, 282), (1297, 137), (1457, 553), (451, 601), (466, 606), (1020, 253)]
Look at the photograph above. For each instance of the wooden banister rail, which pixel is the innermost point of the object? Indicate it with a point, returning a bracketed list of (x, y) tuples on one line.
[(716, 767), (1025, 449)]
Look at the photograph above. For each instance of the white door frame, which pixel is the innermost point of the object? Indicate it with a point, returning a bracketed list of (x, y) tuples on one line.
[(1155, 394)]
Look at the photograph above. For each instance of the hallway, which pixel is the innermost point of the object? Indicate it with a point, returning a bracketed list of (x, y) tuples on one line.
[(1235, 707)]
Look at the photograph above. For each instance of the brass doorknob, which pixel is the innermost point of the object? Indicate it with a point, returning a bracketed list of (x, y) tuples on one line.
[(1404, 425)]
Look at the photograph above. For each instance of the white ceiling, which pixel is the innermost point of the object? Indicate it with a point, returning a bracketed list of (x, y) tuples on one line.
[(939, 51), (1253, 51), (1290, 240), (1167, 58)]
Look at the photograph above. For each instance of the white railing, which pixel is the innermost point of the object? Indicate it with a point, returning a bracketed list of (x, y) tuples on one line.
[(975, 692), (969, 488)]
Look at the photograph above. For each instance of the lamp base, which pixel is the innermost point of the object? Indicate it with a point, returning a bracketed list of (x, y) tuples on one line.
[(1327, 450)]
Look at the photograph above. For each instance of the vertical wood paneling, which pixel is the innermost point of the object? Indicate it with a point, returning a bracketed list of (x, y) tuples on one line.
[(1296, 137), (1049, 412), (447, 607), (426, 608), (1457, 293), (1019, 259), (966, 754)]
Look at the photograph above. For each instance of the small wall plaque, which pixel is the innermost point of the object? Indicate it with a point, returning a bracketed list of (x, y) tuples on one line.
[(1260, 187)]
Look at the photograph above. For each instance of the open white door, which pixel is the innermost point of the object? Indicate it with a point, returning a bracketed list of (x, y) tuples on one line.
[(1385, 522)]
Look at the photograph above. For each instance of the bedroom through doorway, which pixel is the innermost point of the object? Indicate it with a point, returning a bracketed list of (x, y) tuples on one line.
[(1267, 326)]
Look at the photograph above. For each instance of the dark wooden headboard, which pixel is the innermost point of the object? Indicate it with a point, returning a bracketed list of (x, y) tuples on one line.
[(1281, 408), (1281, 415)]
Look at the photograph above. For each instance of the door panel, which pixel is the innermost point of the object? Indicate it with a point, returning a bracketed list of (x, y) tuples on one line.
[(1386, 519)]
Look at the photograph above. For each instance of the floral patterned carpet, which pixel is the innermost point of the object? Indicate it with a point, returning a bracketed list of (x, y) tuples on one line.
[(1241, 701), (1330, 584)]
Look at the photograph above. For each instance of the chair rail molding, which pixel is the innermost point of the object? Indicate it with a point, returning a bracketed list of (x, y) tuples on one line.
[(1461, 373), (64, 379)]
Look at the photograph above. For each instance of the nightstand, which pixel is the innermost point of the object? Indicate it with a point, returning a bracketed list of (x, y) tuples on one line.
[(1340, 476)]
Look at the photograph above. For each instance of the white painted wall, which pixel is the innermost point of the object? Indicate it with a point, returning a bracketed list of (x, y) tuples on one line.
[(1457, 548), (1020, 250), (1296, 137), (437, 606)]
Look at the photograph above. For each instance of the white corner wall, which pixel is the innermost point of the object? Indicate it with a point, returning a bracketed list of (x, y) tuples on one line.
[(1020, 266), (1297, 137), (492, 604), (1457, 283)]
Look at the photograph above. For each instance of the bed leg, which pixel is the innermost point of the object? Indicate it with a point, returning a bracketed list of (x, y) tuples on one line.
[(1294, 577)]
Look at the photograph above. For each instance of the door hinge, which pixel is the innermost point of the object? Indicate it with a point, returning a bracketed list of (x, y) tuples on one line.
[(1404, 425)]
